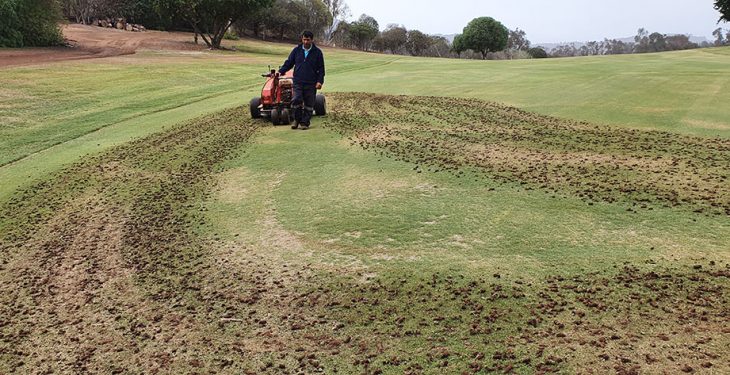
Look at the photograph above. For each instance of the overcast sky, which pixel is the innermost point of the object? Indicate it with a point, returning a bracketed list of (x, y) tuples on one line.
[(548, 21)]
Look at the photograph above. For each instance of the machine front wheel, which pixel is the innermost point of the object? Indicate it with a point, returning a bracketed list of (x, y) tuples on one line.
[(284, 117), (320, 105), (255, 111), (275, 116)]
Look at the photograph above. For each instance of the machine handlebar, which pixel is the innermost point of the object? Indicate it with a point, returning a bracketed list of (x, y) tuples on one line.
[(273, 73)]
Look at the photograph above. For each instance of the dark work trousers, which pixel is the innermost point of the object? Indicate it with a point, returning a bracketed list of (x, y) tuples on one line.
[(303, 102)]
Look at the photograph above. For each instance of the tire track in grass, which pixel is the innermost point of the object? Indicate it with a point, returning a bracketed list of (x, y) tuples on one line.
[(93, 254), (103, 269)]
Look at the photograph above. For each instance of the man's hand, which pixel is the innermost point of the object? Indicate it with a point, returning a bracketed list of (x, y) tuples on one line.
[(318, 86)]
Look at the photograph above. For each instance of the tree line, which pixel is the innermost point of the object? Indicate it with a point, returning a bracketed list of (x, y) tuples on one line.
[(484, 37), (34, 23), (644, 42)]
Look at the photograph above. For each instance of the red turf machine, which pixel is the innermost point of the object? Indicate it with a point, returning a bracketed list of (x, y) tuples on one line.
[(276, 97)]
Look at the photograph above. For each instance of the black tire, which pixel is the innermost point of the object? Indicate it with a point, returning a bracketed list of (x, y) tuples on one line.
[(320, 105), (275, 116), (255, 112), (284, 117)]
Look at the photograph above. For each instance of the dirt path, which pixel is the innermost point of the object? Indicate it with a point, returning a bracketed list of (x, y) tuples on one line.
[(95, 42)]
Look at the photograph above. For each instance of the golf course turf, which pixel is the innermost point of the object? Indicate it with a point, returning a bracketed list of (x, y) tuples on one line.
[(421, 227)]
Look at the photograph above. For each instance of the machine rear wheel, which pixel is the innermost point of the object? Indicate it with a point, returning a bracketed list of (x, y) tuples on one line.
[(255, 112), (275, 116), (320, 105), (284, 117)]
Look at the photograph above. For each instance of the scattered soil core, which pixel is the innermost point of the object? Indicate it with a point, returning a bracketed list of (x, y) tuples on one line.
[(596, 163)]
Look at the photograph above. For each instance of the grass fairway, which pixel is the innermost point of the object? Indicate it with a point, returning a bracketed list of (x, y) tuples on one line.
[(681, 92), (154, 227)]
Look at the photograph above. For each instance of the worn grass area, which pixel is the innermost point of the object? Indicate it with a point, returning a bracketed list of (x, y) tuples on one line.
[(313, 255), (433, 273), (592, 162)]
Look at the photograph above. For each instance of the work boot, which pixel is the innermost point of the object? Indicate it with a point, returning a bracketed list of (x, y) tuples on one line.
[(296, 124)]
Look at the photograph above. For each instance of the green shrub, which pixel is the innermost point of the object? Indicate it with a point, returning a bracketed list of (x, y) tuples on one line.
[(10, 35), (28, 23), (231, 36), (537, 53)]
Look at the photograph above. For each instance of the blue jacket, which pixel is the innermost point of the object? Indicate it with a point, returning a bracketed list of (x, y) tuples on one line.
[(308, 70)]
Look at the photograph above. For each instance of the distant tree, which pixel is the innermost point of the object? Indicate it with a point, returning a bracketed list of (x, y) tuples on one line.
[(459, 45), (82, 10), (484, 35), (394, 38), (338, 11), (657, 42), (378, 43), (565, 50), (312, 15), (537, 53), (719, 37), (128, 9), (256, 21), (641, 41), (79, 10), (85, 11), (341, 35), (418, 42), (591, 48), (145, 12), (363, 31), (212, 18), (518, 40), (277, 19), (440, 47), (679, 42), (287, 18), (723, 6), (617, 47)]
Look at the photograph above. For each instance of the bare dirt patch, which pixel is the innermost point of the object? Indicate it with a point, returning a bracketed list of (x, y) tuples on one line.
[(714, 125), (274, 235), (87, 42)]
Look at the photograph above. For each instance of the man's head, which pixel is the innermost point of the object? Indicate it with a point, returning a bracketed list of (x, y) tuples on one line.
[(307, 39)]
